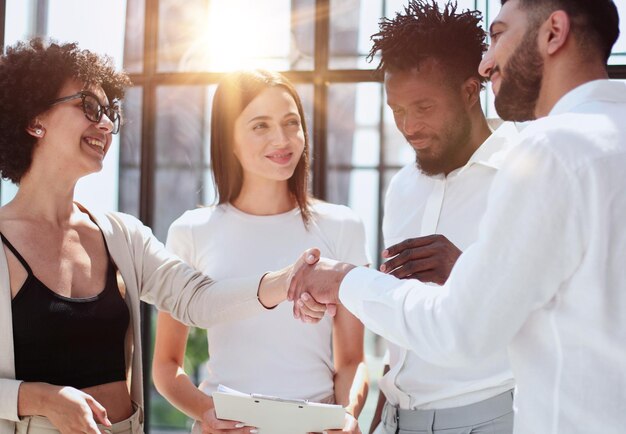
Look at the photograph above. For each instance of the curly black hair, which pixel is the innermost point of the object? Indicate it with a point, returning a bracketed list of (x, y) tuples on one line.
[(426, 31), (31, 75)]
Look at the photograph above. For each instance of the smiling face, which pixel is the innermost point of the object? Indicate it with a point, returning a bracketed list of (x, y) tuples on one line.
[(513, 63), (77, 144), (432, 116), (268, 137)]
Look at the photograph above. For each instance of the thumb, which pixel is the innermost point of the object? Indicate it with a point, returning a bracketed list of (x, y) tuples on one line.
[(99, 412), (331, 309), (311, 256)]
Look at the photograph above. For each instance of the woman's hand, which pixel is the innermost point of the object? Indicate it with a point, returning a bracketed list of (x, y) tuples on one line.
[(351, 426), (73, 411), (210, 424), (310, 311)]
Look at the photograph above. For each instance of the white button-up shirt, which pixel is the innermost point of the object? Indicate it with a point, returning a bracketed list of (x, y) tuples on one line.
[(547, 275), (453, 205)]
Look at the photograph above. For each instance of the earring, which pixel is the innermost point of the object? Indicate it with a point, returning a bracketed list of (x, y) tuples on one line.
[(38, 131)]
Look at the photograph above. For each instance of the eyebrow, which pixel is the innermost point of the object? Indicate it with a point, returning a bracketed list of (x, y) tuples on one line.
[(265, 117), (414, 102), (495, 23)]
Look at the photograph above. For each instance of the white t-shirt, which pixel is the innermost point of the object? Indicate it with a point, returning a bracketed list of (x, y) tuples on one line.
[(270, 353)]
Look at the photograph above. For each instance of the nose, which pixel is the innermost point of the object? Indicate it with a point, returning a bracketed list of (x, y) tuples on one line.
[(486, 65), (105, 124), (410, 124), (281, 137)]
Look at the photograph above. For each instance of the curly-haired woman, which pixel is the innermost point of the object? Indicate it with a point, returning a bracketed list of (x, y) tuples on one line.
[(71, 355)]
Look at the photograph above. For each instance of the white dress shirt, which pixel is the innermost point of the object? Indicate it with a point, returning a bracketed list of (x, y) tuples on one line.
[(453, 205), (547, 275)]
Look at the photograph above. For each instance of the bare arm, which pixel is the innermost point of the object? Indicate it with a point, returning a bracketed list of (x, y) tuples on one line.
[(351, 382), (378, 413), (168, 370)]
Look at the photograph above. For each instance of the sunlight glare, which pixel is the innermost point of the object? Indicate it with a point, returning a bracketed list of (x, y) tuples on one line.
[(241, 34)]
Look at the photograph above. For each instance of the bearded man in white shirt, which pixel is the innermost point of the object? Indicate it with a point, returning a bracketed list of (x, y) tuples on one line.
[(433, 208), (546, 276)]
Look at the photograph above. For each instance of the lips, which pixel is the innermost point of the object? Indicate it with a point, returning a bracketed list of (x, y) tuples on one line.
[(280, 157), (419, 141), (494, 77), (96, 144)]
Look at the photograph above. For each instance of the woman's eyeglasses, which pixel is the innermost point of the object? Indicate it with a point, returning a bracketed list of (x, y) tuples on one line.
[(93, 109)]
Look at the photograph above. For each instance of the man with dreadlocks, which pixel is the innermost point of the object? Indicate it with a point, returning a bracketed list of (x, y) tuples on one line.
[(429, 58)]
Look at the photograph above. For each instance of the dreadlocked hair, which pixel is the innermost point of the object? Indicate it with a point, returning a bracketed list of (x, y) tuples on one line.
[(424, 31)]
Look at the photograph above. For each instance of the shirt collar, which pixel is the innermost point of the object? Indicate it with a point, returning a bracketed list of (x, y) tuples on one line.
[(596, 90), (494, 150)]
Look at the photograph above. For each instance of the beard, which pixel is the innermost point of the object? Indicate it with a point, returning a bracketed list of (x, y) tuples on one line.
[(447, 154), (521, 81)]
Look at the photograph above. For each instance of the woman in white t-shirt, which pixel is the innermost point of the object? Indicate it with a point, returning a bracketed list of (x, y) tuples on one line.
[(264, 219)]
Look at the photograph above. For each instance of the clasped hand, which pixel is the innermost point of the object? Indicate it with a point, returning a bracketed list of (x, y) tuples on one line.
[(314, 285)]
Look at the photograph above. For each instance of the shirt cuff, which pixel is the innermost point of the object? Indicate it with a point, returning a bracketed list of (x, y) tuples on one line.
[(356, 287), (9, 390)]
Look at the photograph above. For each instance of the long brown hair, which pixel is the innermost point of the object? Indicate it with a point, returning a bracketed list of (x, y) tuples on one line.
[(234, 92)]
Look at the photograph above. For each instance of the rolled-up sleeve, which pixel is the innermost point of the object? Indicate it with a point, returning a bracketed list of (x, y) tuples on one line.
[(9, 391)]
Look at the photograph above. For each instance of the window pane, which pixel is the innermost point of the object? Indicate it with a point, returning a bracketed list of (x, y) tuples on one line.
[(181, 145), (619, 49), (352, 22), (130, 152), (354, 127), (222, 35), (358, 189), (7, 191), (134, 38), (24, 19)]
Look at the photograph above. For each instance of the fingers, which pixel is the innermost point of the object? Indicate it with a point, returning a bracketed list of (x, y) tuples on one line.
[(351, 426), (99, 412), (409, 243), (311, 256), (210, 424), (311, 307), (311, 311), (408, 255), (331, 309), (308, 258)]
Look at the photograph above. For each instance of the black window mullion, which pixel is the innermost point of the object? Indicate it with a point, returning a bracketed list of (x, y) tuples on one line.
[(147, 176), (320, 97)]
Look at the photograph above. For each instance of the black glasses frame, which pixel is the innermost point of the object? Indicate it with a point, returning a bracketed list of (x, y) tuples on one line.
[(112, 112)]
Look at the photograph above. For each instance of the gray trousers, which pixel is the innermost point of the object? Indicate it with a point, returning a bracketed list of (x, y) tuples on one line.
[(491, 416)]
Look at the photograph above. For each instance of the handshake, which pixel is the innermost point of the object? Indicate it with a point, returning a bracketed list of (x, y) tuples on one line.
[(313, 285), (313, 282)]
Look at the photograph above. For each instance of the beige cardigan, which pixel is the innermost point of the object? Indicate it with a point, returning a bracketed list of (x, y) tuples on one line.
[(151, 274)]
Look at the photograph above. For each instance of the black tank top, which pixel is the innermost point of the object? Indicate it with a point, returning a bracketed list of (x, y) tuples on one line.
[(77, 342)]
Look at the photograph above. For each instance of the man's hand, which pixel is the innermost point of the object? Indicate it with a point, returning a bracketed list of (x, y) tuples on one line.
[(428, 259), (319, 279)]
